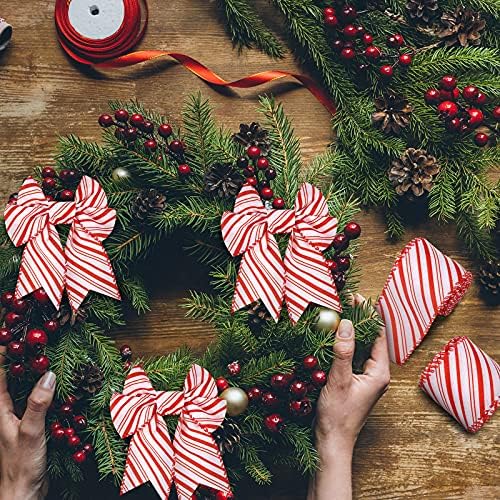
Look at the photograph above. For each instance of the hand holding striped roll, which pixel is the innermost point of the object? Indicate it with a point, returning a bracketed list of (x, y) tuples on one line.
[(464, 381), (423, 284)]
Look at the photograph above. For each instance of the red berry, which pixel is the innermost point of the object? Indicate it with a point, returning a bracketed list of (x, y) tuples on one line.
[(16, 369), (270, 400), (130, 134), (147, 127), (121, 115), (350, 31), (274, 422), (339, 281), (125, 352), (349, 12), (340, 241), (66, 195), (395, 41), (105, 121), (40, 364), (294, 407), (310, 362), (337, 45), (453, 125), (66, 410), (69, 431), (331, 21), (234, 368), (36, 338), (448, 82), (347, 53), (449, 95), (184, 169), (252, 181), (367, 39), (12, 319), (49, 183), (15, 348), (79, 456), (448, 109), (432, 96), (301, 408), (481, 139), (71, 400), (55, 425), (332, 265), (48, 172), (165, 130), (41, 296), (80, 422), (278, 203), (280, 381), (270, 174), (328, 11), (151, 145), (476, 117), (352, 230), (136, 120), (470, 92), (480, 99), (6, 299), (372, 52), (254, 394), (318, 378), (262, 163), (224, 495), (74, 441), (176, 147), (57, 434), (222, 384), (5, 336), (88, 448), (51, 326), (249, 171), (386, 70), (496, 113), (20, 306), (266, 193), (298, 389), (253, 152), (343, 263), (405, 59)]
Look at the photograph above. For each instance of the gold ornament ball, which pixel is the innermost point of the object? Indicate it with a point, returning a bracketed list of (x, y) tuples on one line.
[(236, 399), (328, 320), (120, 174)]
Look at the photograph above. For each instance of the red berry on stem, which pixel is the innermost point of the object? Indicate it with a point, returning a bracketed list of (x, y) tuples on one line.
[(88, 448), (12, 319), (405, 59), (350, 31), (125, 352), (340, 241), (136, 120), (80, 422), (147, 127), (470, 92), (372, 52), (343, 263), (165, 130), (310, 362), (69, 431), (176, 146), (51, 326), (332, 265), (337, 45), (448, 82), (278, 203), (254, 394), (481, 139), (476, 117), (184, 169), (20, 306), (224, 495), (496, 113), (352, 230), (40, 364), (56, 425), (6, 299), (5, 336), (36, 338), (66, 195), (252, 181), (130, 134), (395, 41), (57, 434), (41, 296), (318, 378), (234, 368), (280, 381), (298, 389), (151, 145), (274, 422), (339, 281), (71, 399), (386, 71), (270, 400), (453, 125), (48, 172), (66, 410), (449, 95), (349, 12), (432, 96), (270, 174), (367, 39), (262, 163), (328, 11), (249, 171), (16, 369), (74, 441), (448, 109), (331, 21), (480, 99), (121, 115), (106, 121), (253, 152), (347, 53), (79, 456), (49, 183), (266, 193), (15, 348), (222, 384)]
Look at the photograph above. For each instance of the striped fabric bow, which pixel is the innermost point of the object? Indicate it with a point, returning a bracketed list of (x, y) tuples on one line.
[(303, 277), (193, 458), (84, 264)]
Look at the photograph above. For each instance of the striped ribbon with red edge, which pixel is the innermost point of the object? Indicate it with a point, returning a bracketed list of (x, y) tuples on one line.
[(193, 458), (84, 264), (303, 276), (465, 382), (423, 284), (114, 52)]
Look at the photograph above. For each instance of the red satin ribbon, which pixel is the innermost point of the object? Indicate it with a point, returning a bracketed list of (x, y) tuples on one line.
[(113, 52)]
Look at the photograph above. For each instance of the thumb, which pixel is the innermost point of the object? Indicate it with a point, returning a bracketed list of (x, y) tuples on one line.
[(33, 421), (343, 350)]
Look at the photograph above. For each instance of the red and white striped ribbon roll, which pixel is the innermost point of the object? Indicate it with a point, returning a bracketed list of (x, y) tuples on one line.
[(303, 277), (84, 265), (193, 458), (423, 283), (464, 381)]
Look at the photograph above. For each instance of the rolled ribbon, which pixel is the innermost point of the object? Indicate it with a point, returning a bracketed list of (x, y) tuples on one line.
[(84, 264), (113, 51), (423, 284), (5, 34), (465, 382), (193, 458), (303, 277)]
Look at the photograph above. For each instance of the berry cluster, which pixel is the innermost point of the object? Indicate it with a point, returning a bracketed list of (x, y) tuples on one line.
[(259, 174), (340, 264), (28, 325), (126, 355), (130, 128), (353, 43), (64, 430), (463, 110)]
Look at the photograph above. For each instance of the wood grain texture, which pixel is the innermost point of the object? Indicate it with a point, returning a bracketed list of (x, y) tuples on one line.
[(409, 447)]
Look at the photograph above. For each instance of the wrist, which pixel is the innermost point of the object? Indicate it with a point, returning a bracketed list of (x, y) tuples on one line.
[(335, 444), (19, 490)]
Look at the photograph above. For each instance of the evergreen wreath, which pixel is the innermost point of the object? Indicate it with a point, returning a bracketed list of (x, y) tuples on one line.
[(161, 179)]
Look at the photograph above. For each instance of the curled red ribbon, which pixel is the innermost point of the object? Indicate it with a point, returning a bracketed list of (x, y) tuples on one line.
[(113, 52)]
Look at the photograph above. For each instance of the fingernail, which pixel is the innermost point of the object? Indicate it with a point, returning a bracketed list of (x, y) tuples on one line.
[(345, 329), (48, 381)]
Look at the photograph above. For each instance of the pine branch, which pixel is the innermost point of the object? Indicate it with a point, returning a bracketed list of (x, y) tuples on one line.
[(86, 157)]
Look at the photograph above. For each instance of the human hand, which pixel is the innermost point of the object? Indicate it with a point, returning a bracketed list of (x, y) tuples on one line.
[(23, 449)]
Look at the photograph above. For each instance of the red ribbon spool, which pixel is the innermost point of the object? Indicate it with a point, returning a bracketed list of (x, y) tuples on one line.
[(114, 51)]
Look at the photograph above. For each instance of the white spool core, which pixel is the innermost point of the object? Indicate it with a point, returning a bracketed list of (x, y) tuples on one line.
[(96, 19)]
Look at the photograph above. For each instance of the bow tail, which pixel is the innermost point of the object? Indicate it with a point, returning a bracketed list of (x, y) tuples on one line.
[(197, 460), (43, 266), (307, 279), (89, 268), (150, 458), (261, 276)]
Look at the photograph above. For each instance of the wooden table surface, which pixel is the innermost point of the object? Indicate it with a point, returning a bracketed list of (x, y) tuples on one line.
[(409, 447)]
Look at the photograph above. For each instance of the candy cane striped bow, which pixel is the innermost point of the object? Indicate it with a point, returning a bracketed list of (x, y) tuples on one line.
[(193, 458), (84, 264), (303, 277)]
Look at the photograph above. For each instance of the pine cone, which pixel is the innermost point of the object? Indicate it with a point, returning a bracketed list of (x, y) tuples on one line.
[(65, 314), (88, 380), (489, 281), (227, 436), (413, 173), (461, 27), (422, 11), (393, 113), (258, 315), (223, 180), (148, 202), (253, 135)]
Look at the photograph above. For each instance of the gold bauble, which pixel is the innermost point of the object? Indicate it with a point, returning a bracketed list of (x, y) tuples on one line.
[(236, 399), (328, 320), (120, 174)]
